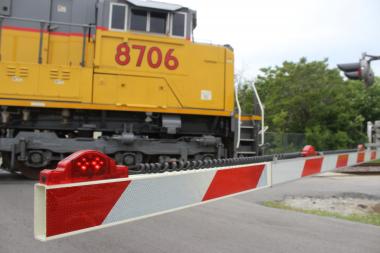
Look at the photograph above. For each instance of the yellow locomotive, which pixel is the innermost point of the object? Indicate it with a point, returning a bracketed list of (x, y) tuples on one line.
[(121, 76)]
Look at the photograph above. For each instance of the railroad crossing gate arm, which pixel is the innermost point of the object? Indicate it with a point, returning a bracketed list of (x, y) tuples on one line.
[(88, 191)]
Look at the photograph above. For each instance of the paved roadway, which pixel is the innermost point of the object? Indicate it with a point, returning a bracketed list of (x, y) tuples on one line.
[(237, 224)]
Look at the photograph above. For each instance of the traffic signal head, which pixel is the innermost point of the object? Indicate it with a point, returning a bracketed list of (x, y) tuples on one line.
[(359, 71), (351, 70)]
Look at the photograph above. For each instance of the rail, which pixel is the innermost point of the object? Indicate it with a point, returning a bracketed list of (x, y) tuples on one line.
[(45, 25)]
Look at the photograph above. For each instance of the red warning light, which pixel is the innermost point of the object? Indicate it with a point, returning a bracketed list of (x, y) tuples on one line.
[(82, 166), (309, 150), (361, 147), (89, 164)]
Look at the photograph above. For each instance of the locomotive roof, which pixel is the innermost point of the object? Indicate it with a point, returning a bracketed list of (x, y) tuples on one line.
[(156, 5)]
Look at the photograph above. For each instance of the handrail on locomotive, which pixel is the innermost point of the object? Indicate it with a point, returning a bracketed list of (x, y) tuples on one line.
[(48, 23)]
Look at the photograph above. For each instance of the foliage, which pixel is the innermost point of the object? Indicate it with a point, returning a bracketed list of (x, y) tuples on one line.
[(284, 142), (308, 97)]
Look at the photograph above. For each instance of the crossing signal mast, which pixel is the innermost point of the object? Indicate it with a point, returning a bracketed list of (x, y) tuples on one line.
[(360, 70)]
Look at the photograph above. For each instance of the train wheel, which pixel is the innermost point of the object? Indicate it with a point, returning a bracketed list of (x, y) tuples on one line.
[(6, 164), (31, 173), (34, 173), (20, 168)]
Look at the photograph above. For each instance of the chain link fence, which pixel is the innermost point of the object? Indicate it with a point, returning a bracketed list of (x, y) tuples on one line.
[(283, 142)]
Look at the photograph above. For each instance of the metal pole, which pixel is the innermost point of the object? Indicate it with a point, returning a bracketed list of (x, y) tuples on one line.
[(83, 62), (262, 113), (239, 115), (46, 21), (1, 29), (42, 26)]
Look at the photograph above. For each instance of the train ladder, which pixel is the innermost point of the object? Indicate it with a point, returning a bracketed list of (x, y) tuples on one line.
[(250, 133)]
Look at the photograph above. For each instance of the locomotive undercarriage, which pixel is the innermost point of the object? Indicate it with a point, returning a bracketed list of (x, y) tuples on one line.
[(35, 138)]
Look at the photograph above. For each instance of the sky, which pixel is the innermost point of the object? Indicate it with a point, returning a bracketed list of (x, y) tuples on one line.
[(268, 32)]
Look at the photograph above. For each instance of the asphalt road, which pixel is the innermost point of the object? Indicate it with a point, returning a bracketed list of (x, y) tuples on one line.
[(236, 224)]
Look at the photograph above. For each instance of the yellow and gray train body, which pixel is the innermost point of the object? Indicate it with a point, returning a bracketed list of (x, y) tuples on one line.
[(123, 77)]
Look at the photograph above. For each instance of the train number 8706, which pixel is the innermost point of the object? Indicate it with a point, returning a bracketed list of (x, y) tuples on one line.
[(154, 56)]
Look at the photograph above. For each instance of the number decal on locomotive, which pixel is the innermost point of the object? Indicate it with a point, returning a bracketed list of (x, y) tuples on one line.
[(154, 56), (158, 53), (123, 54), (141, 54)]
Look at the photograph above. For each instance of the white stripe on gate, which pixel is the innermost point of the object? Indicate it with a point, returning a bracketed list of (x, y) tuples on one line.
[(352, 158), (329, 162), (287, 170), (264, 178), (367, 156), (153, 195)]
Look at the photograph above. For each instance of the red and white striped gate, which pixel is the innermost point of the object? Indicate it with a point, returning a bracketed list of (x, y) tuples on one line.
[(88, 191)]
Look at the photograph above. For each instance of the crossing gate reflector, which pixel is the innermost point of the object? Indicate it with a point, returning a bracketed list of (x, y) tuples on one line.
[(88, 191)]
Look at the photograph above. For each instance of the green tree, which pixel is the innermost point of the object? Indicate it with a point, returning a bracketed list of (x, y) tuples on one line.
[(308, 97)]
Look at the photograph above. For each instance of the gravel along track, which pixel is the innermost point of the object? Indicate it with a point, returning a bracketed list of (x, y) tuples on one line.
[(345, 203)]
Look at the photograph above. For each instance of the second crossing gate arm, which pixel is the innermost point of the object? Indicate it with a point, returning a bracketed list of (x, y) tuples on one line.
[(88, 191)]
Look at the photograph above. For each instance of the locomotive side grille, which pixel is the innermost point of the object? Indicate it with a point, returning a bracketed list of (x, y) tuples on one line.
[(11, 71), (65, 75), (20, 72), (56, 74), (23, 72)]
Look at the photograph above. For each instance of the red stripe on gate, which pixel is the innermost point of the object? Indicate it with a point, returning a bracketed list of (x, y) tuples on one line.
[(312, 166), (373, 155), (230, 181), (73, 208), (342, 161), (360, 157)]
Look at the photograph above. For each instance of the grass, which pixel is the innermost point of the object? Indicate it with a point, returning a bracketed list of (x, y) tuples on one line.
[(374, 161), (372, 218)]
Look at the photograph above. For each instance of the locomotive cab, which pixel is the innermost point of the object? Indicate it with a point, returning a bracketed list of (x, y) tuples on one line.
[(136, 39), (152, 17)]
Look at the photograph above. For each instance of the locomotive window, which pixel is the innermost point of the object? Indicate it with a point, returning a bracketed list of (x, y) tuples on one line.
[(117, 17), (178, 24), (139, 20), (158, 22)]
